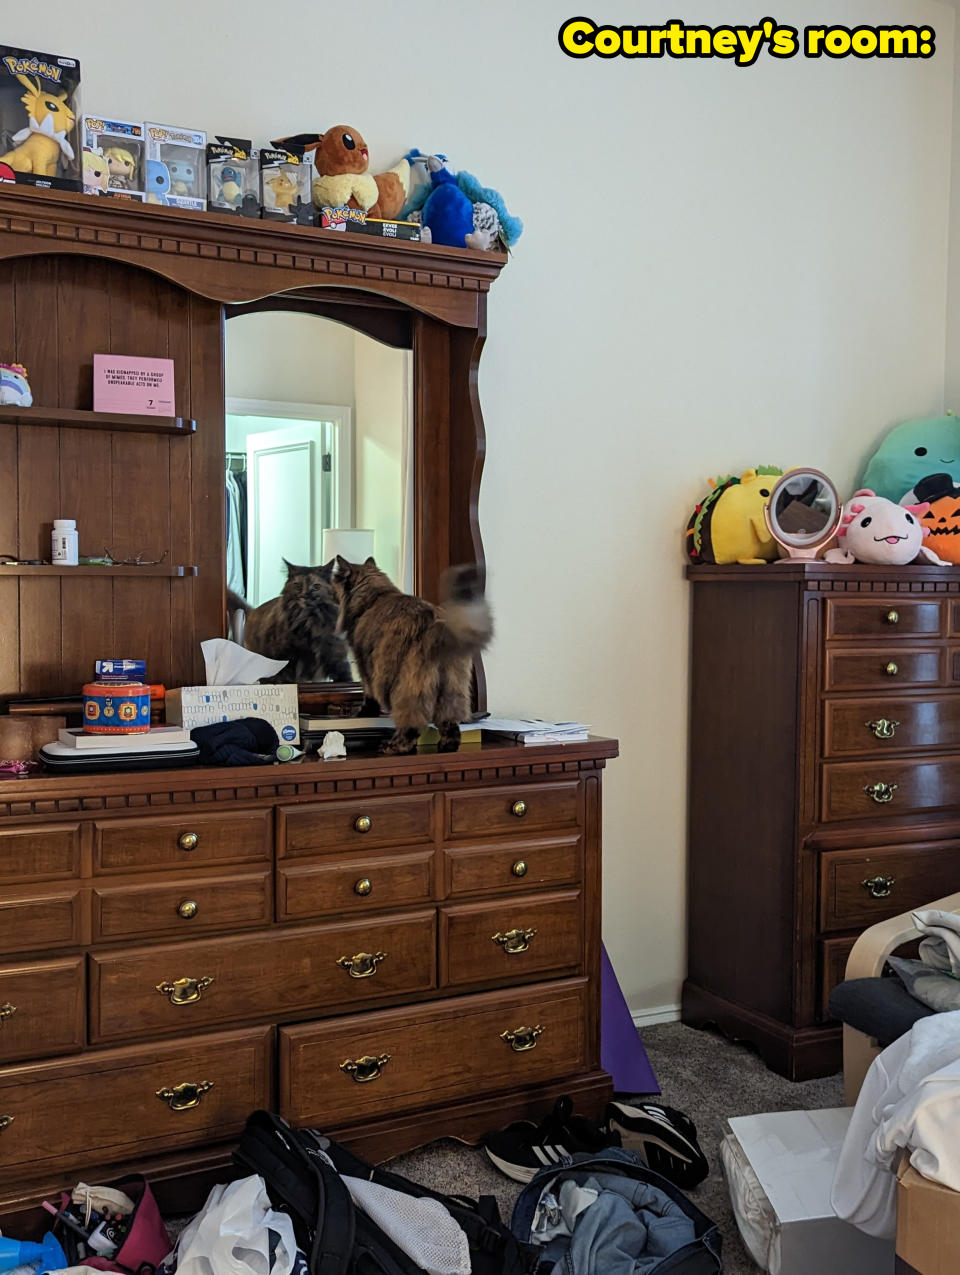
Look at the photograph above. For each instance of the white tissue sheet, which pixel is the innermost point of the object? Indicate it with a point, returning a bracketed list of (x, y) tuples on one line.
[(228, 664)]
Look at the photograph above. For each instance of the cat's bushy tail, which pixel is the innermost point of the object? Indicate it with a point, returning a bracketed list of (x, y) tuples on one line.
[(465, 615), (236, 603)]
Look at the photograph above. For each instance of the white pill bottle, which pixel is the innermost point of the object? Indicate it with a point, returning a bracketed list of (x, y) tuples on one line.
[(65, 543)]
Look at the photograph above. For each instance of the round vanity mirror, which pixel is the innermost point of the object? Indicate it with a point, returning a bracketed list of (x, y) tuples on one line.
[(803, 512)]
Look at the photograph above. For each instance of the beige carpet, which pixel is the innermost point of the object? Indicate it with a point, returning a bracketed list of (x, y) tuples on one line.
[(703, 1075)]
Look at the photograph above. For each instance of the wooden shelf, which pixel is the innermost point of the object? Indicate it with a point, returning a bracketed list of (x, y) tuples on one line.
[(75, 419), (103, 572)]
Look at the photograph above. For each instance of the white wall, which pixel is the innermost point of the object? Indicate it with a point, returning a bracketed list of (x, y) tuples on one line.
[(721, 267), (293, 358), (378, 444)]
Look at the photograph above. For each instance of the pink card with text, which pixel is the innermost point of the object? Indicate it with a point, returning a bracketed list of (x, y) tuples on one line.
[(132, 385)]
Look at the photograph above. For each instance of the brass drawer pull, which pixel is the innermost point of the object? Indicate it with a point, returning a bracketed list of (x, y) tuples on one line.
[(186, 1096), (365, 1069), (880, 792), (184, 991), (522, 1038), (519, 808), (363, 823), (188, 841), (6, 1011), (891, 669), (363, 965), (519, 869), (363, 887), (892, 617), (6, 1122), (879, 887), (883, 727), (187, 909), (514, 941)]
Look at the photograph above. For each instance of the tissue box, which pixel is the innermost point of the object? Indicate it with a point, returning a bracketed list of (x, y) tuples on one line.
[(192, 706)]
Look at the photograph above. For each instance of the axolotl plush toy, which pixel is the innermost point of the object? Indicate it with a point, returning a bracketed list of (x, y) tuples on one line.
[(875, 530)]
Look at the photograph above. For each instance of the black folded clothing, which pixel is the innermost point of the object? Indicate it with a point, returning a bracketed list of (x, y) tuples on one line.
[(249, 741)]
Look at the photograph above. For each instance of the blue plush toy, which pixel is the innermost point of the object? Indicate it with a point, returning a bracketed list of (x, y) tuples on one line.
[(456, 210), (911, 452)]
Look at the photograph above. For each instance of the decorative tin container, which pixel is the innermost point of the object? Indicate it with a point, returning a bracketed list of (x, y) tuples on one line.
[(116, 708)]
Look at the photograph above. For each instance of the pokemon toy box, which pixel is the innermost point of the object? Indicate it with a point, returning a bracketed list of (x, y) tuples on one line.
[(39, 119), (122, 145)]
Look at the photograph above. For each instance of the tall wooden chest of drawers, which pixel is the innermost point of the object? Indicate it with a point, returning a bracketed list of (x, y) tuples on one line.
[(391, 949), (824, 785)]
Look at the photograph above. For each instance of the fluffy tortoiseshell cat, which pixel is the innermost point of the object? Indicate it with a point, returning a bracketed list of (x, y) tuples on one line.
[(415, 659), (300, 626)]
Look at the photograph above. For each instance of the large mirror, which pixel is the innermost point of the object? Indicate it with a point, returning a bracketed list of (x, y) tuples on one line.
[(319, 461)]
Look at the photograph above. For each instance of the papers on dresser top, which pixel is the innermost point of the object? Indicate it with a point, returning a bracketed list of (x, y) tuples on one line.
[(533, 731)]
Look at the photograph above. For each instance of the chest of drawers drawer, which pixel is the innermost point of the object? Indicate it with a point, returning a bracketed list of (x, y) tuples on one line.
[(513, 865), (883, 667), (190, 905), (333, 1072), (861, 887), (193, 841), (42, 1009), (185, 987), (45, 853), (139, 1100), (358, 885), (41, 916), (508, 940), (880, 618), (497, 812), (376, 823), (891, 723), (890, 786)]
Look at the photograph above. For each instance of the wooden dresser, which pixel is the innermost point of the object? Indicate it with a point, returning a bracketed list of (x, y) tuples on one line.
[(824, 785), (391, 949)]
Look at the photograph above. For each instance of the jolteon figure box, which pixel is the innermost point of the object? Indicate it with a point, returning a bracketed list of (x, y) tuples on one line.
[(176, 166), (40, 141), (123, 147)]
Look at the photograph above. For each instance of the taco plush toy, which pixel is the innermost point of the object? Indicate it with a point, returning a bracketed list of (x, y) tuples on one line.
[(728, 525), (876, 530), (942, 519), (911, 452)]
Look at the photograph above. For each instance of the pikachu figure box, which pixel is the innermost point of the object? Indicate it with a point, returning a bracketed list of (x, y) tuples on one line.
[(40, 142)]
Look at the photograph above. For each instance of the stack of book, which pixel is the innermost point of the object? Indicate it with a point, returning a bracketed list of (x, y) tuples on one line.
[(533, 731), (156, 737)]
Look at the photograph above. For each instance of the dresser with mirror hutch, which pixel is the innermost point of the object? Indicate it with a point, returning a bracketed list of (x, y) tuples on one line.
[(391, 949)]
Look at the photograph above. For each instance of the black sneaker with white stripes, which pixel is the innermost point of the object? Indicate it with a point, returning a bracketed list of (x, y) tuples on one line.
[(665, 1139), (523, 1149)]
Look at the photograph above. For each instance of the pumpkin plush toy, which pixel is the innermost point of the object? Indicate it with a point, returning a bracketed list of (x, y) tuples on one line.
[(942, 519)]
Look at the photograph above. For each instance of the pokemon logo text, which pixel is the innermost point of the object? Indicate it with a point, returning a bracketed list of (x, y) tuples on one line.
[(33, 66)]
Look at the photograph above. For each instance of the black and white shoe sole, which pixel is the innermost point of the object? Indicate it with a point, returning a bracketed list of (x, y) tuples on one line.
[(547, 1156), (657, 1140)]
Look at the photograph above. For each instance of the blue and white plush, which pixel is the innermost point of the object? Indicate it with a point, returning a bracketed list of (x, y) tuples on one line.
[(14, 387), (455, 209)]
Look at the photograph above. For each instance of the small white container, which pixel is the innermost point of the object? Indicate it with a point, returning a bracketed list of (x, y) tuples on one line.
[(65, 543)]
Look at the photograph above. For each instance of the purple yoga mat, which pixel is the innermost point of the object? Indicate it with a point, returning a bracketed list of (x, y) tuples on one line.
[(621, 1051)]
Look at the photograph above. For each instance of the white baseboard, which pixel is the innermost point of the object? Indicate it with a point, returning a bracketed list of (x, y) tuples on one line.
[(658, 1014)]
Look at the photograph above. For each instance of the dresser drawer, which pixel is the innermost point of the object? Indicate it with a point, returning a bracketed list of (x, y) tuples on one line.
[(860, 887), (889, 667), (890, 724), (511, 939), (184, 841), (44, 853), (131, 1102), (518, 865), (833, 965), (494, 812), (184, 906), (41, 916), (431, 1055), (897, 787), (380, 881), (184, 987), (357, 824), (42, 1008), (879, 618)]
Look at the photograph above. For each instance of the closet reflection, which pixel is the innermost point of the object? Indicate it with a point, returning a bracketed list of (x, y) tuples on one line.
[(318, 453)]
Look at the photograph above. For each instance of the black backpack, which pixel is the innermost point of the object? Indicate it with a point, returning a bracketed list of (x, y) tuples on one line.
[(339, 1239)]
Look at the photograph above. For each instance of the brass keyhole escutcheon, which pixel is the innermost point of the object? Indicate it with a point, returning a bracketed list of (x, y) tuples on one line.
[(519, 869), (891, 669), (883, 727), (363, 823), (365, 1069), (521, 1039), (6, 1011), (6, 1122), (880, 792), (187, 909), (363, 965), (188, 841), (363, 887), (186, 1096), (519, 808), (892, 617), (879, 887), (184, 991), (513, 941)]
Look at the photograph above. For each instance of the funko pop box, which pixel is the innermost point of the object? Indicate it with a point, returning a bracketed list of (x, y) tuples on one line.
[(179, 156), (123, 145), (39, 119)]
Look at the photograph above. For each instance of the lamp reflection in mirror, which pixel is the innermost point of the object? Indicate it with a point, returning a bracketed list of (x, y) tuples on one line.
[(803, 513), (353, 543)]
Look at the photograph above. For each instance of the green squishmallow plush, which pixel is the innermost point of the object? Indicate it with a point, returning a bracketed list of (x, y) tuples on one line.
[(911, 452)]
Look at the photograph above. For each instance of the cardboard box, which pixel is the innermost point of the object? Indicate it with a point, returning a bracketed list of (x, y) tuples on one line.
[(192, 706), (40, 135), (928, 1225), (794, 1156)]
